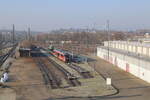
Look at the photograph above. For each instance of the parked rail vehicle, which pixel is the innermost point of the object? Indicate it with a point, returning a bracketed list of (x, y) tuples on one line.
[(64, 55), (61, 55)]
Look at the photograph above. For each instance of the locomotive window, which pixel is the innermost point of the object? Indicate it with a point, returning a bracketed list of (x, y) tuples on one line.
[(57, 54), (67, 55)]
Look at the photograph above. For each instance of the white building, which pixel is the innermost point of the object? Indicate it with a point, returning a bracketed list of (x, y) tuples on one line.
[(133, 47), (133, 57)]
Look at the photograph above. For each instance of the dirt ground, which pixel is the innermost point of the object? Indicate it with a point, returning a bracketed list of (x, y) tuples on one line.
[(26, 83)]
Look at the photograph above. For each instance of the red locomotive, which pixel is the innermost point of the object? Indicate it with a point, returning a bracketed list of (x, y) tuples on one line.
[(62, 55)]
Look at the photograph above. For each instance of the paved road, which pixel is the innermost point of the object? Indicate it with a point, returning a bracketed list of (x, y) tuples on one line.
[(130, 87)]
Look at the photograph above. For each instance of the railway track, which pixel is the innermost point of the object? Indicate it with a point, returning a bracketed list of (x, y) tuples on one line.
[(9, 54), (49, 78), (3, 58), (84, 73), (71, 79), (48, 75)]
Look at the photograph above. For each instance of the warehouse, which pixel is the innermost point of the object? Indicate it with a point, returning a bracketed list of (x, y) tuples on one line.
[(135, 47), (134, 63)]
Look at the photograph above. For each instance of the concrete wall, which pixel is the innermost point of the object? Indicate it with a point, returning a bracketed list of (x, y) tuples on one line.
[(133, 65)]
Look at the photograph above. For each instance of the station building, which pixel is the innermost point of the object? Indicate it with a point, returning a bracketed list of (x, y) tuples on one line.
[(133, 57)]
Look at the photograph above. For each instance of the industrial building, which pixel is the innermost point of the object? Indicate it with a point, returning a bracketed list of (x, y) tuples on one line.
[(133, 57), (139, 48)]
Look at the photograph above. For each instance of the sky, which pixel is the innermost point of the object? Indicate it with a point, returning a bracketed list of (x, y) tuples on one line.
[(46, 15)]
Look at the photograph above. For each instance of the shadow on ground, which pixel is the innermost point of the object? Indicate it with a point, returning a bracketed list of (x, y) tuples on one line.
[(91, 60), (95, 98)]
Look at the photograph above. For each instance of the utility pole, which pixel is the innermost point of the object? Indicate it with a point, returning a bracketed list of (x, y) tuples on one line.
[(29, 34), (13, 34), (26, 35), (87, 36), (1, 40), (108, 36)]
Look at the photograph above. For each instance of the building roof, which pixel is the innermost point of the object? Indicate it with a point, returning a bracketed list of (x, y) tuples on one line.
[(127, 53), (131, 43)]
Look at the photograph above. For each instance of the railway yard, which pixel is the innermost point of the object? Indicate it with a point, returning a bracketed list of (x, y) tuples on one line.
[(44, 77), (36, 72), (74, 50)]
